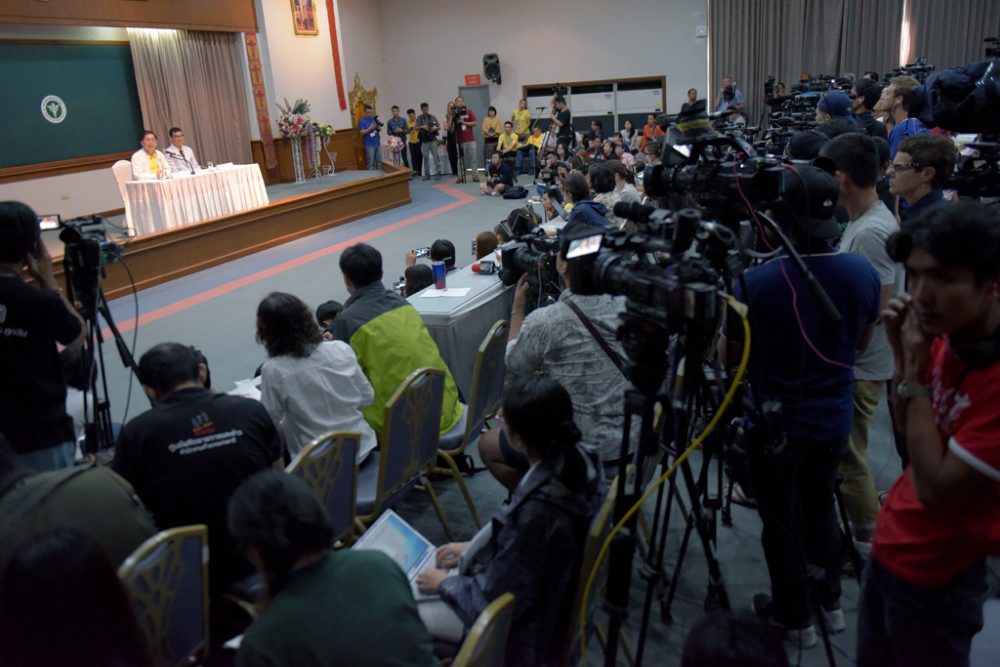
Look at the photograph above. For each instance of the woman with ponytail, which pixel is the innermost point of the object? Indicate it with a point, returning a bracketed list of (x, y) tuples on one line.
[(322, 605), (534, 544)]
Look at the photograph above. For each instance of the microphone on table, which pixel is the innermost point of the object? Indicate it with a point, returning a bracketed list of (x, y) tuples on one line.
[(181, 157)]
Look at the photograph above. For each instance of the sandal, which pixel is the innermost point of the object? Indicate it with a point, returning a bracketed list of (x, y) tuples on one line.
[(740, 497)]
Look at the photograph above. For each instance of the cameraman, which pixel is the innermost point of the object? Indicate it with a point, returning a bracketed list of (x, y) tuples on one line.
[(34, 318), (563, 120), (369, 128), (554, 341), (801, 379), (730, 97), (466, 126), (924, 587)]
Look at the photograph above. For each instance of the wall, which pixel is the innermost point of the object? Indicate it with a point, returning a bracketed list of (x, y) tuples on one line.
[(364, 50), (429, 45), (299, 66)]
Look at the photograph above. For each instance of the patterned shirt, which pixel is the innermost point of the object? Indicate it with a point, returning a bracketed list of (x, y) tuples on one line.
[(554, 342)]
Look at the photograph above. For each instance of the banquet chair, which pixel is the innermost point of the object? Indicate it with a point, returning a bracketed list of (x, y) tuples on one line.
[(486, 643), (122, 170), (484, 402), (327, 465), (166, 578), (408, 448)]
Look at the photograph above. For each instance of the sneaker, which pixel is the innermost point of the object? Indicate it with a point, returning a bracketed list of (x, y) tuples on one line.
[(802, 638), (833, 620), (426, 178)]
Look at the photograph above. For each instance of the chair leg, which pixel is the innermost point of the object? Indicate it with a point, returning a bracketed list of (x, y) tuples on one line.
[(437, 507), (461, 485)]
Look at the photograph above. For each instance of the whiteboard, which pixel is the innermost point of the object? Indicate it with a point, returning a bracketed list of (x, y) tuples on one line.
[(640, 101)]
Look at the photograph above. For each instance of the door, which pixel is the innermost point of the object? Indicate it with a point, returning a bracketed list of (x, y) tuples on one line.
[(477, 98)]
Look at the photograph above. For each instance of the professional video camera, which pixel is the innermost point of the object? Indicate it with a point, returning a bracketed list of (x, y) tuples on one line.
[(457, 113), (978, 175), (821, 83), (533, 254), (717, 172), (918, 69), (88, 251)]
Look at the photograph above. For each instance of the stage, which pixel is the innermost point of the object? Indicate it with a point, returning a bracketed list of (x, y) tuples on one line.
[(296, 210)]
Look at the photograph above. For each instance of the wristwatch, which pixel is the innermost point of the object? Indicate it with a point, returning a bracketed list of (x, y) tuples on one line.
[(907, 391)]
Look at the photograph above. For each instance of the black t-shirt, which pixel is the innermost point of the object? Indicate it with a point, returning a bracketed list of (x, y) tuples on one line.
[(502, 174), (33, 394), (187, 455), (564, 117)]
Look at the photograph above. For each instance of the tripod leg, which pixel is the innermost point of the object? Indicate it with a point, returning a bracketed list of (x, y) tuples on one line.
[(856, 560)]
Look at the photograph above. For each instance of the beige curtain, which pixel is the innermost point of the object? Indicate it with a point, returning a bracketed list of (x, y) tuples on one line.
[(751, 39), (194, 81), (950, 33)]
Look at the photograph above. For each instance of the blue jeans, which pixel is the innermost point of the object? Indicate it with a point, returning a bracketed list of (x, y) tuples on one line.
[(52, 458), (519, 160), (902, 624), (373, 157)]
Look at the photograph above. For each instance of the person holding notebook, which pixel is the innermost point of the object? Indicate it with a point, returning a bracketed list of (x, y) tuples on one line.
[(533, 546)]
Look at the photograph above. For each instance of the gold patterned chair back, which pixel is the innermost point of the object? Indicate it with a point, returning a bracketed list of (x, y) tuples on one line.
[(486, 643), (167, 582), (327, 465)]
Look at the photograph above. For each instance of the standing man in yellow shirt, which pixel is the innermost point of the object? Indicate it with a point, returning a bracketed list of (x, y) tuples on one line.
[(413, 142), (522, 120), (149, 160)]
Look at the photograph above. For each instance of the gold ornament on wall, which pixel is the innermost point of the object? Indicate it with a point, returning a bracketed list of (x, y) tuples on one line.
[(359, 99)]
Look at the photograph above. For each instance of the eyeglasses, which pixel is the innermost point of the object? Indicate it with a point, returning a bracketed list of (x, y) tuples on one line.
[(903, 167)]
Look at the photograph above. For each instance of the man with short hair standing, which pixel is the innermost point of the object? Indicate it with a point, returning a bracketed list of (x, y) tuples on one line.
[(188, 453), (922, 166), (369, 129), (427, 127), (397, 128), (33, 319), (181, 156), (855, 158), (897, 99), (563, 121), (467, 138), (730, 97), (923, 590), (864, 96)]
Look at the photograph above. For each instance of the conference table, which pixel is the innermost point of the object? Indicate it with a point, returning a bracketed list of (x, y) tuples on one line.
[(459, 323), (157, 205)]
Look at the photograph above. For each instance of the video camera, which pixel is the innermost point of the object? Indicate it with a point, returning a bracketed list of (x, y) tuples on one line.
[(977, 175), (532, 254), (918, 69), (88, 252)]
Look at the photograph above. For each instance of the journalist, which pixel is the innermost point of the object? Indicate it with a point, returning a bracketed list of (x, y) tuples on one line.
[(920, 169), (801, 379), (924, 587)]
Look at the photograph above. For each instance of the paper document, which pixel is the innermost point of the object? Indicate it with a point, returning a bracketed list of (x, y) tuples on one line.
[(432, 293)]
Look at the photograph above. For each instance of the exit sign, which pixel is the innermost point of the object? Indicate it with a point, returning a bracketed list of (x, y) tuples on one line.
[(473, 80)]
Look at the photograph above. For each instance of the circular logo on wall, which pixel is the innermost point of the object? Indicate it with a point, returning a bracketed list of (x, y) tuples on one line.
[(53, 109)]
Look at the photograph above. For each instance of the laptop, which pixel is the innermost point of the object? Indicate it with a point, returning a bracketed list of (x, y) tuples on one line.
[(401, 542)]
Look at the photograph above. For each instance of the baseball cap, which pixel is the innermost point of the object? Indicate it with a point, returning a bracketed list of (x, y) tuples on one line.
[(811, 197), (836, 103)]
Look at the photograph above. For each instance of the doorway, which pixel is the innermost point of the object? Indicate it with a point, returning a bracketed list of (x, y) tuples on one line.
[(477, 98)]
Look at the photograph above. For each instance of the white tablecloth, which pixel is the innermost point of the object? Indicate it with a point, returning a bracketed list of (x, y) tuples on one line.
[(459, 324), (158, 205)]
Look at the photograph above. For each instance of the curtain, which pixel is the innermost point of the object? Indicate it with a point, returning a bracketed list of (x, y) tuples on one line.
[(752, 39), (194, 81), (949, 33)]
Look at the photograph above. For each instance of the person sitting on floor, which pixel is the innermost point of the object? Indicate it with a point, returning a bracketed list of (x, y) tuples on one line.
[(322, 603), (500, 176), (534, 546)]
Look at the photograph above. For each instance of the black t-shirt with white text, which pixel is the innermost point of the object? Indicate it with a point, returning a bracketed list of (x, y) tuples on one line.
[(33, 394), (187, 455)]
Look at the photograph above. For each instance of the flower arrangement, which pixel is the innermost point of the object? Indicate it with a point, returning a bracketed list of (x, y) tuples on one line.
[(324, 130), (395, 145), (293, 121)]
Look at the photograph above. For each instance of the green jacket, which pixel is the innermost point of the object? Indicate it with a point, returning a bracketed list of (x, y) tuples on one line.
[(391, 341)]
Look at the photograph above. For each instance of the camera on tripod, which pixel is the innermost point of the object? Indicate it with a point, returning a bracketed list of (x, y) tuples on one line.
[(918, 69), (533, 254), (88, 251), (457, 113)]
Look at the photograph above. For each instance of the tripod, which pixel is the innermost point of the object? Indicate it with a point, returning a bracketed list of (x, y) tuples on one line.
[(459, 146), (84, 271)]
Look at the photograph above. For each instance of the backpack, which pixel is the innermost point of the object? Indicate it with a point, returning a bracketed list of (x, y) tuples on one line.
[(515, 192)]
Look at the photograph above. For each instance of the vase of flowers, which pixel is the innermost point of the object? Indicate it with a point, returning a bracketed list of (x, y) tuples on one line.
[(295, 125), (395, 145)]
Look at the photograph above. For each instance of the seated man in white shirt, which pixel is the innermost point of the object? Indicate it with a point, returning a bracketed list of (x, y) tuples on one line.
[(148, 160), (181, 157)]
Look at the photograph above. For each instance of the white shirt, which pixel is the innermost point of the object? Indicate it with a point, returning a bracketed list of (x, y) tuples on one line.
[(176, 163), (140, 163), (322, 392)]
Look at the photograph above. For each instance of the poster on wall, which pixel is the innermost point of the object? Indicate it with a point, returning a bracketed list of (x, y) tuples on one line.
[(304, 15)]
